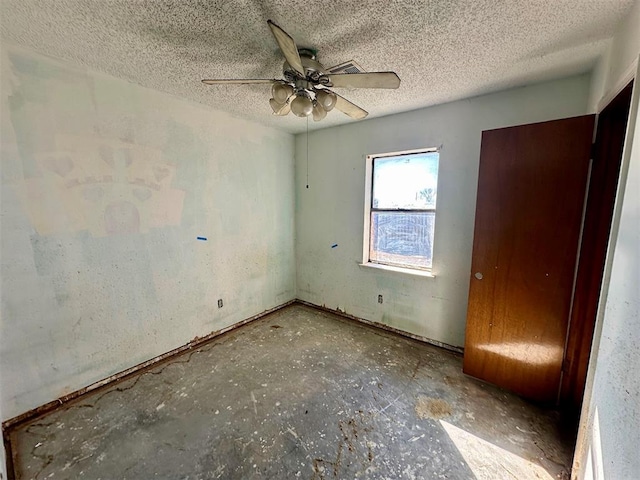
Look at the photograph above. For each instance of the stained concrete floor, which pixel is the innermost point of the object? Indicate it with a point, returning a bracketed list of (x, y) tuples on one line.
[(298, 394)]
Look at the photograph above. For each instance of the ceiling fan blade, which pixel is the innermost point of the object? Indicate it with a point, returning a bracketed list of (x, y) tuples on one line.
[(228, 81), (348, 108), (288, 47), (365, 80)]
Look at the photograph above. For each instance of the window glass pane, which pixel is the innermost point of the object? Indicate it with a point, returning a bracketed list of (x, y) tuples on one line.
[(402, 239), (405, 182)]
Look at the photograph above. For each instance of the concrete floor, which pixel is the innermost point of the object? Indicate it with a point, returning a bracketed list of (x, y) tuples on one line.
[(298, 394)]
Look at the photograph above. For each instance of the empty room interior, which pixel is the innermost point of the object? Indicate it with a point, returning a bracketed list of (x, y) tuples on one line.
[(266, 239)]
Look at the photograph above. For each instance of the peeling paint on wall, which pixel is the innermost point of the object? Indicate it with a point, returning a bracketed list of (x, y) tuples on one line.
[(105, 186), (80, 172)]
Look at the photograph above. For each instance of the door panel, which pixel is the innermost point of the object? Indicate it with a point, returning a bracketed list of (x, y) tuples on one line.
[(530, 198)]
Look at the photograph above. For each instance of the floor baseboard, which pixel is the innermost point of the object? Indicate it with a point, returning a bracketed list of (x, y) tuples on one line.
[(12, 423), (120, 376), (383, 326)]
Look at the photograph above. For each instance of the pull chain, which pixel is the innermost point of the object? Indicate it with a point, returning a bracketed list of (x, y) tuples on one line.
[(307, 152)]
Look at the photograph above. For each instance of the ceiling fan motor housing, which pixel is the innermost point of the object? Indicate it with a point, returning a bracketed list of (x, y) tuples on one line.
[(314, 71)]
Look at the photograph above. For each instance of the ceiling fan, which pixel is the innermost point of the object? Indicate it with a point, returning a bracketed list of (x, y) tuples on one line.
[(305, 88)]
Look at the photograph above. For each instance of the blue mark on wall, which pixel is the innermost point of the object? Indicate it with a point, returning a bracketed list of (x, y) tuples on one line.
[(204, 239)]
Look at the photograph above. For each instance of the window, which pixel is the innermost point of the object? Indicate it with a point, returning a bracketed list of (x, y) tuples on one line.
[(400, 209)]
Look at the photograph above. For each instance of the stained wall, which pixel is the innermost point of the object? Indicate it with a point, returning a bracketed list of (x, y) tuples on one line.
[(106, 187)]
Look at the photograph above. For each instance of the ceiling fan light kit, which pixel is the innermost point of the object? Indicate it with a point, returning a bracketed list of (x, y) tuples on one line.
[(304, 90)]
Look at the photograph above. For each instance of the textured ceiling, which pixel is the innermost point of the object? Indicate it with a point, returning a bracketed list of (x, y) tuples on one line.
[(442, 50)]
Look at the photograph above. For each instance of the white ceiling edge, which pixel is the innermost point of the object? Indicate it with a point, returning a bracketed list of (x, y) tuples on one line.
[(301, 128)]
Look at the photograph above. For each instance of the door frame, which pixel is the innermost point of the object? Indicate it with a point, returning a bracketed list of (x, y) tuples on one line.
[(584, 434), (596, 227)]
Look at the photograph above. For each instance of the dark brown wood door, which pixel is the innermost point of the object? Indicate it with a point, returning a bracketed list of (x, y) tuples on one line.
[(531, 191)]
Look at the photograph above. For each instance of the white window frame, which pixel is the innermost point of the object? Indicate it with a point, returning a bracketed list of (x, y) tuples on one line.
[(368, 192)]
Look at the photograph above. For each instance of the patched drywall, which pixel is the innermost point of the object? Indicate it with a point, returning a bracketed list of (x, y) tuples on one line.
[(330, 213), (106, 187)]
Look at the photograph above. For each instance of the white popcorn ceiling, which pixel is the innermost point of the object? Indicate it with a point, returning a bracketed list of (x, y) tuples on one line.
[(443, 50)]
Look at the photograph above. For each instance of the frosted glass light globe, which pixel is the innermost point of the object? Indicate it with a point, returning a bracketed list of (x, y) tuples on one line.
[(326, 99), (302, 106), (318, 112), (279, 109), (281, 92)]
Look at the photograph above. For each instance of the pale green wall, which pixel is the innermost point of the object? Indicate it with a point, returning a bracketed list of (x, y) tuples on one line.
[(331, 210), (105, 187)]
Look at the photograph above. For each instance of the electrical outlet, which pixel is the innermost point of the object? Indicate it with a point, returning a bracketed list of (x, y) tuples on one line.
[(379, 298), (220, 303)]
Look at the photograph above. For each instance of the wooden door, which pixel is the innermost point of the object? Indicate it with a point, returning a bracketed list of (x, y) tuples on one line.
[(531, 191)]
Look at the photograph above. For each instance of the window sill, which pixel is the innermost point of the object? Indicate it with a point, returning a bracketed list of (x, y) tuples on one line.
[(406, 271)]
